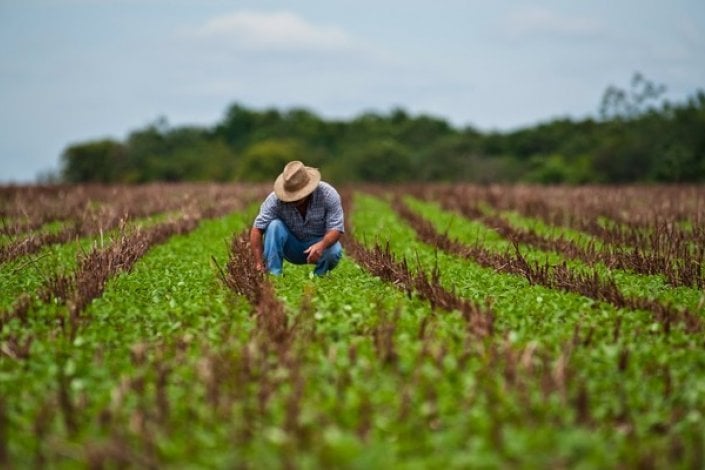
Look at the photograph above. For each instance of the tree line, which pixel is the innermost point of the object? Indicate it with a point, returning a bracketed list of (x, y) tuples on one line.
[(637, 137)]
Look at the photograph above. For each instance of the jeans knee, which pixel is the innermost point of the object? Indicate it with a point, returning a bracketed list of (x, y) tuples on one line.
[(335, 252), (276, 230), (276, 226)]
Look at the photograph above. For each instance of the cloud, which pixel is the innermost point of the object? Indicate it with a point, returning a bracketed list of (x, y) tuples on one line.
[(273, 31), (542, 22)]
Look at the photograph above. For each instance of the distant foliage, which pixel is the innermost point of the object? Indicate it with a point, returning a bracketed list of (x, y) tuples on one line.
[(639, 137)]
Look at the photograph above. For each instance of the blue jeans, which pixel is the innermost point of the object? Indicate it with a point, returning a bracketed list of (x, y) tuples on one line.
[(280, 244)]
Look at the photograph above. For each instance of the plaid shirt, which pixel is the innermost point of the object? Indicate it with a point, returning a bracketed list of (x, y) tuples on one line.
[(324, 213)]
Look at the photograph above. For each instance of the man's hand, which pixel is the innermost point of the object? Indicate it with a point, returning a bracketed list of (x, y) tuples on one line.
[(314, 252)]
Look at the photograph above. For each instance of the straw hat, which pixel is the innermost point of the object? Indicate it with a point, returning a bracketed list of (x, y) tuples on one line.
[(296, 181)]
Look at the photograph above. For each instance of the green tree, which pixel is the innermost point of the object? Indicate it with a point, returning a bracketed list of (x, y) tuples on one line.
[(98, 161), (381, 161), (553, 169), (237, 127), (264, 160), (635, 140)]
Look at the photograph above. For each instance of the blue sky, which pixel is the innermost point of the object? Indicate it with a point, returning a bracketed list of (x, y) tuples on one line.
[(72, 70)]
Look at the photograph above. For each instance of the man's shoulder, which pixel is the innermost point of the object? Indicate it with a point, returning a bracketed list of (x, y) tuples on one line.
[(271, 197), (327, 189), (270, 201)]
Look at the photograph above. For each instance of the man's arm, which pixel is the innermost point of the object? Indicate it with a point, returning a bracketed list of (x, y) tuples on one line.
[(256, 246), (315, 251), (267, 213)]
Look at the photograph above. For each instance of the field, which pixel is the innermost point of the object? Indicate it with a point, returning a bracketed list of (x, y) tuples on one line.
[(467, 326)]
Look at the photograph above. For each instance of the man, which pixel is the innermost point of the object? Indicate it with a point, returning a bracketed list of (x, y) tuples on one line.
[(301, 222)]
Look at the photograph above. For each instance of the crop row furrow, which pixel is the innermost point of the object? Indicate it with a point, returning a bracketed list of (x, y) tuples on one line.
[(681, 265), (655, 286), (112, 207), (585, 340), (34, 243), (590, 283), (519, 306), (94, 269), (35, 273), (87, 281), (108, 392), (626, 218), (424, 361), (243, 278), (636, 206), (380, 262), (407, 354), (471, 231), (29, 207)]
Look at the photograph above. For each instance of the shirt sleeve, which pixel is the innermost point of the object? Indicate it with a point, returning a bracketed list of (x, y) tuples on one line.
[(267, 212), (335, 219)]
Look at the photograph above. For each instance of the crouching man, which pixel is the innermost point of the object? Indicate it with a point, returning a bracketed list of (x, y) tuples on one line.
[(300, 221)]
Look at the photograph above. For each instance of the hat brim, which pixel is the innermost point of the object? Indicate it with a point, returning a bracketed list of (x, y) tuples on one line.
[(314, 177)]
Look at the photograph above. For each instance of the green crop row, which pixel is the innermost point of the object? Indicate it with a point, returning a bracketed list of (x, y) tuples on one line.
[(170, 301), (28, 273), (643, 387), (169, 368), (630, 284)]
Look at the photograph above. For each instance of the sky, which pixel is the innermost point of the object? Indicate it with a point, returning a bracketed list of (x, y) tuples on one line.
[(77, 70)]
